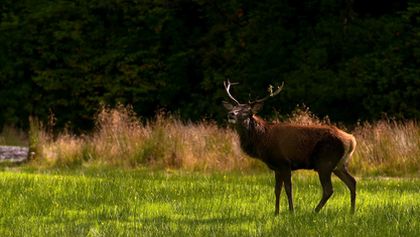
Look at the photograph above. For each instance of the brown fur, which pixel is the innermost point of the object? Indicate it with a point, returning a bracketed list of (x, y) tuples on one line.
[(294, 145)]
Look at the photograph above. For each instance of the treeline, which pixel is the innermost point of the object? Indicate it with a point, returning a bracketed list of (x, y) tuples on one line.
[(349, 59)]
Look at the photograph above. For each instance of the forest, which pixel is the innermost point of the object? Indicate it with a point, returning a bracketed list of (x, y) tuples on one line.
[(351, 60)]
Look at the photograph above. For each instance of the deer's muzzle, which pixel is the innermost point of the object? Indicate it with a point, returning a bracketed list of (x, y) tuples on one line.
[(231, 118)]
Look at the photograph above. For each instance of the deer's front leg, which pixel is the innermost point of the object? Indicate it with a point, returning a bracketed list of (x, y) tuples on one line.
[(284, 177), (287, 180), (277, 191)]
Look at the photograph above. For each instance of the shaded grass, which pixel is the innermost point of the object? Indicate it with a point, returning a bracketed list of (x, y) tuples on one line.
[(133, 203), (11, 136)]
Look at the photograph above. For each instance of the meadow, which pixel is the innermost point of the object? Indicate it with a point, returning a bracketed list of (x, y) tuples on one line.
[(166, 177), (142, 202)]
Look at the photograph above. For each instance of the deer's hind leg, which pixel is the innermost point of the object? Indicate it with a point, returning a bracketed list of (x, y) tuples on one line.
[(344, 175), (327, 155), (327, 189)]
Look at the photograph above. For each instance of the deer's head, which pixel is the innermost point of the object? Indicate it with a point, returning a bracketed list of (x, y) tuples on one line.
[(239, 112)]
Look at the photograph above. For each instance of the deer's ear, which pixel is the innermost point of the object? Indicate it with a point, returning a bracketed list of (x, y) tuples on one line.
[(255, 107), (227, 105)]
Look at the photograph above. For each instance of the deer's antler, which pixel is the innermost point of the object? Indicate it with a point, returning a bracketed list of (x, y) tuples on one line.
[(227, 85), (271, 93)]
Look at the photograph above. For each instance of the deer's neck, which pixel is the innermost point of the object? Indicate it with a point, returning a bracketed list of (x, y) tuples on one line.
[(251, 133)]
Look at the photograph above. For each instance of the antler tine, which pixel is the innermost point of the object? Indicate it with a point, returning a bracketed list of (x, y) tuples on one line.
[(227, 85), (279, 88)]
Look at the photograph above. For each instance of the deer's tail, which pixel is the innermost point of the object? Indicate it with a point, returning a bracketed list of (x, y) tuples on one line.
[(349, 147)]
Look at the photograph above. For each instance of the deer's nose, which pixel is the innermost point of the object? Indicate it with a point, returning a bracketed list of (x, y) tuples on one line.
[(232, 117), (232, 114)]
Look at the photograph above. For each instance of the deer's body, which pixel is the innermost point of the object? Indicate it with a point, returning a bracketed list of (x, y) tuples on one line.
[(293, 146), (286, 147)]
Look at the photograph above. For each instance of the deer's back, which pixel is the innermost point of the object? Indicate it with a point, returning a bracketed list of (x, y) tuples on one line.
[(296, 144)]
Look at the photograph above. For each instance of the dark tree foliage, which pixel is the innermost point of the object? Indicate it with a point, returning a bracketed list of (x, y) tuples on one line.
[(349, 59)]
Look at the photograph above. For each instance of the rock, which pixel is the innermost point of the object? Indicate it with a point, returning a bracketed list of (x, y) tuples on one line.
[(14, 154)]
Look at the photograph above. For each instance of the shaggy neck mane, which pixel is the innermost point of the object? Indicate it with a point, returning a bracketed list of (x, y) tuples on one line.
[(250, 133)]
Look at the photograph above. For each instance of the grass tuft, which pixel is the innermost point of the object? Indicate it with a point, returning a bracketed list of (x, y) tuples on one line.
[(303, 116)]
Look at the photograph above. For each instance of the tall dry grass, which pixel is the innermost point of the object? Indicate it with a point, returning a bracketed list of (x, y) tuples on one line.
[(387, 148), (121, 139)]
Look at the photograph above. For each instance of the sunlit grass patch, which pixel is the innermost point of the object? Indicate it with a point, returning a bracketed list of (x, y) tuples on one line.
[(130, 203)]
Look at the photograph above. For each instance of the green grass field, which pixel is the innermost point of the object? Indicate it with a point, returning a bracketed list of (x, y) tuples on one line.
[(179, 203)]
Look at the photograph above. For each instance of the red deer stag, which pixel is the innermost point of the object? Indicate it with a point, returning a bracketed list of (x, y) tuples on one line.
[(286, 147)]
